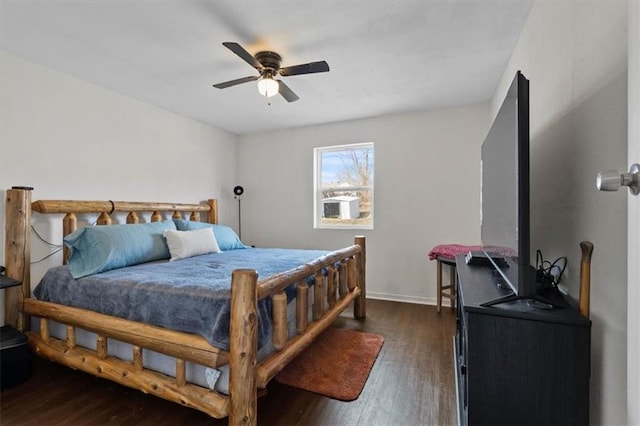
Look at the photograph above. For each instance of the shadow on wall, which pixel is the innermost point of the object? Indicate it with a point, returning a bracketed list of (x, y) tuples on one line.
[(565, 159), (567, 208)]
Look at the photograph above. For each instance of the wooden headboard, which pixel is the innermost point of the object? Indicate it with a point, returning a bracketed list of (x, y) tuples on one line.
[(71, 208)]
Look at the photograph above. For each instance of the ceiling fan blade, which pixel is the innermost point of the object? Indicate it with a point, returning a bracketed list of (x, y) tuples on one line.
[(286, 92), (310, 68), (235, 82), (246, 56)]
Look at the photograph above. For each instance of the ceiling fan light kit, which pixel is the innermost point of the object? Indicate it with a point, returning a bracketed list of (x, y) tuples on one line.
[(268, 87), (267, 64)]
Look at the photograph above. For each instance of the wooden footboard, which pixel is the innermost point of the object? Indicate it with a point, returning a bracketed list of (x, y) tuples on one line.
[(129, 373), (331, 296), (339, 280)]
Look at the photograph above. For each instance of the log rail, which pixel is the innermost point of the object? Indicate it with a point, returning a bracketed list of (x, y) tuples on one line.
[(339, 282), (71, 208)]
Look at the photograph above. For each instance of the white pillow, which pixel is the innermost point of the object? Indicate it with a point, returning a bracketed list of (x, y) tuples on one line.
[(183, 244)]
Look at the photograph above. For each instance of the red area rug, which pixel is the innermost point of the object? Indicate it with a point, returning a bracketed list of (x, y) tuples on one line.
[(337, 364)]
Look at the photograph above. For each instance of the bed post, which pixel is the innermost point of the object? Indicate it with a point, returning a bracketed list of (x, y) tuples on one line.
[(212, 214), (360, 303), (17, 254), (243, 348)]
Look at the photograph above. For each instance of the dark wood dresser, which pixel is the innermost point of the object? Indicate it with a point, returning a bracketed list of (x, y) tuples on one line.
[(518, 362)]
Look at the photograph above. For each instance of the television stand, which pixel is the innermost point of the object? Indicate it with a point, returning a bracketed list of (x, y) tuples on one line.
[(516, 363)]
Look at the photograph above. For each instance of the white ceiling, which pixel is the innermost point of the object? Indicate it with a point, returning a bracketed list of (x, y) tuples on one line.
[(385, 57)]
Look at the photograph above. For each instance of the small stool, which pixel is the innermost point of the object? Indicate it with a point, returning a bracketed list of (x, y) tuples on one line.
[(448, 291)]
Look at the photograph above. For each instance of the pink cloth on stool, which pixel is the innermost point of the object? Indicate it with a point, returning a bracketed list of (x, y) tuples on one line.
[(451, 250)]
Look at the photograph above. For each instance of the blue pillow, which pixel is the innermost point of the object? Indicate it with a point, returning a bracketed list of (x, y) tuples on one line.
[(97, 249), (226, 238)]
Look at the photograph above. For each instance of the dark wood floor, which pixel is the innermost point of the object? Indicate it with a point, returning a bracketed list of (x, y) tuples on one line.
[(411, 383)]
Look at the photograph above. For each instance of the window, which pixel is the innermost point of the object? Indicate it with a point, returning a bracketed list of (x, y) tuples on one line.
[(344, 186)]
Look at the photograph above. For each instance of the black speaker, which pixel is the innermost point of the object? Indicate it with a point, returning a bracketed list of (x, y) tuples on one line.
[(238, 190)]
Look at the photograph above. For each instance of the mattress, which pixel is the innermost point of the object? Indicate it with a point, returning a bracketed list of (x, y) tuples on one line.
[(189, 295)]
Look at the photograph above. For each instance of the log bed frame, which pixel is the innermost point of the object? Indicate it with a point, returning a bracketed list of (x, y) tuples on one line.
[(332, 294)]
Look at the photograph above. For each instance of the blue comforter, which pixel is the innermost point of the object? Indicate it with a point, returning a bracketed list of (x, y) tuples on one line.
[(190, 295)]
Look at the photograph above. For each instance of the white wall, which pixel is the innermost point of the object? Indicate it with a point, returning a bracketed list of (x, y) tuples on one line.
[(633, 319), (575, 54), (427, 192), (73, 140)]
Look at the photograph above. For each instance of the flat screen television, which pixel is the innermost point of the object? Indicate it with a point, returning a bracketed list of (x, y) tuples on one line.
[(505, 231)]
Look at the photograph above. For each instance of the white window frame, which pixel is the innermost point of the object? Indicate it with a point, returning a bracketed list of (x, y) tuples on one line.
[(317, 188)]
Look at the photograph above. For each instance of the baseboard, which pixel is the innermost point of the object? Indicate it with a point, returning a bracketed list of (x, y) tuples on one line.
[(401, 298)]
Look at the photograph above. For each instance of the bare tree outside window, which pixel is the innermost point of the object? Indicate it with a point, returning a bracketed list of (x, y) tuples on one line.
[(344, 186)]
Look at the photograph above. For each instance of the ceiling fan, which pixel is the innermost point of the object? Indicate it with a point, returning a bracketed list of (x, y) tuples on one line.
[(268, 65)]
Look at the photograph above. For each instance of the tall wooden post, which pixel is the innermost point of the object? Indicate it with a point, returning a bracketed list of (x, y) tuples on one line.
[(212, 214), (17, 255), (69, 225), (360, 303), (243, 348)]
